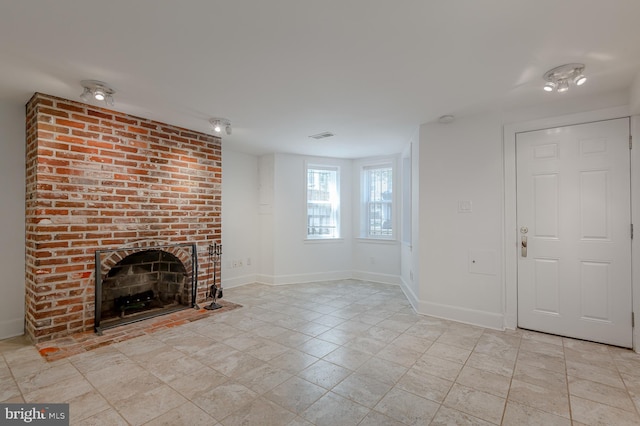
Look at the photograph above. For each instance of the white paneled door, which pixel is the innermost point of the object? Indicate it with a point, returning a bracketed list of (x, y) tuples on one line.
[(574, 231)]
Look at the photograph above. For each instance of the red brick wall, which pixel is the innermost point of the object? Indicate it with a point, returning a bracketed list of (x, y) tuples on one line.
[(100, 179)]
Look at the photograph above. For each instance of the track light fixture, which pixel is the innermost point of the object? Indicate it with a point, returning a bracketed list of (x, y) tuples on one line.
[(220, 123), (97, 90), (559, 78)]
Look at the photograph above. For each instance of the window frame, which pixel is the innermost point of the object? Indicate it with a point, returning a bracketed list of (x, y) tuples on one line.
[(365, 201), (335, 203)]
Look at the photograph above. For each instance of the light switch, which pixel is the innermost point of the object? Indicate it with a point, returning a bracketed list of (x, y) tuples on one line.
[(465, 206)]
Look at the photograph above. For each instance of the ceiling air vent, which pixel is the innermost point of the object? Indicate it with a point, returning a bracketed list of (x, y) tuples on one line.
[(322, 135)]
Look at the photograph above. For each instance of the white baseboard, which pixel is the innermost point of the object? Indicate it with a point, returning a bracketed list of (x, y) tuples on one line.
[(376, 277), (463, 315), (303, 278), (239, 281), (264, 279), (310, 278)]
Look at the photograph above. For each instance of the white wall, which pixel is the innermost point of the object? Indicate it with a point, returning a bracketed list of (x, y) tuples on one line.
[(240, 220), (460, 267), (375, 260), (12, 226), (264, 219), (266, 176), (296, 259)]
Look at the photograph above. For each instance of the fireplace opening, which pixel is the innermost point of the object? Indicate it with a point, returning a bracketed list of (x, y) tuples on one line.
[(144, 283)]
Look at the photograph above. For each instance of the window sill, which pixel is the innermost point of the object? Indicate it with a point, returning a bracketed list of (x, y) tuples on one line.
[(390, 241), (323, 240)]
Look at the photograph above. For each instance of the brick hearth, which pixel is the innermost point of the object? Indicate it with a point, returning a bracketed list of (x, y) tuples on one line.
[(100, 179), (53, 350)]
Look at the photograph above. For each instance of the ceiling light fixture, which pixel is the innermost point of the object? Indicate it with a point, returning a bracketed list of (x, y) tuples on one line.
[(558, 78), (446, 119), (219, 123), (98, 90)]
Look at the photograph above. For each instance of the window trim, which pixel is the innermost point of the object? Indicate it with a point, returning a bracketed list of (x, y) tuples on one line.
[(338, 207), (363, 234)]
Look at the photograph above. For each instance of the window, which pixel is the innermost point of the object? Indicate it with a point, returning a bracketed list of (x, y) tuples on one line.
[(323, 202), (406, 198), (378, 201)]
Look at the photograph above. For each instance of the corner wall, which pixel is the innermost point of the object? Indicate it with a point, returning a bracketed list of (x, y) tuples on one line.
[(410, 251)]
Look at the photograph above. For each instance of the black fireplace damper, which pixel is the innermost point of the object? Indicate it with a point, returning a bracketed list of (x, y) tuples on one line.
[(146, 282)]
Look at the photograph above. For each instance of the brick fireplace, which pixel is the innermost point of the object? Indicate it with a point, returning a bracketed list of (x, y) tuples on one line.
[(100, 180)]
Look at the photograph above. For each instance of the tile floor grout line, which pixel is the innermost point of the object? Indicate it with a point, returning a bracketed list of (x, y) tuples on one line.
[(566, 376), (513, 373)]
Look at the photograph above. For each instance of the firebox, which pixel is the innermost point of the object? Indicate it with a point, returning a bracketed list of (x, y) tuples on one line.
[(133, 284)]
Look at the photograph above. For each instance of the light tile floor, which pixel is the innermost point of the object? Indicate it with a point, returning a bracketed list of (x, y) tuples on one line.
[(333, 353)]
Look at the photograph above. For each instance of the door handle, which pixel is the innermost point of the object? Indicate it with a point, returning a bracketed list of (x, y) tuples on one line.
[(523, 242)]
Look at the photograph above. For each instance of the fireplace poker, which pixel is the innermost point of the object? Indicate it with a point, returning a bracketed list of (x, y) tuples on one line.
[(215, 253)]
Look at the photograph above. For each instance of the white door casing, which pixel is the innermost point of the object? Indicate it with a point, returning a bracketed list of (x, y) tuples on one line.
[(573, 196)]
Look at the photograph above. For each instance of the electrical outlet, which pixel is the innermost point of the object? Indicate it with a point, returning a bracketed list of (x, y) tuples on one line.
[(248, 261), (235, 263), (240, 263)]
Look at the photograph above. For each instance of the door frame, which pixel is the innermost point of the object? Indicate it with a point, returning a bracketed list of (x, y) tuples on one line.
[(510, 234)]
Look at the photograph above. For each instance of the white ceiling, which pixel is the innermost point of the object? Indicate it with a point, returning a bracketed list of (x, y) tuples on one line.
[(370, 71)]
